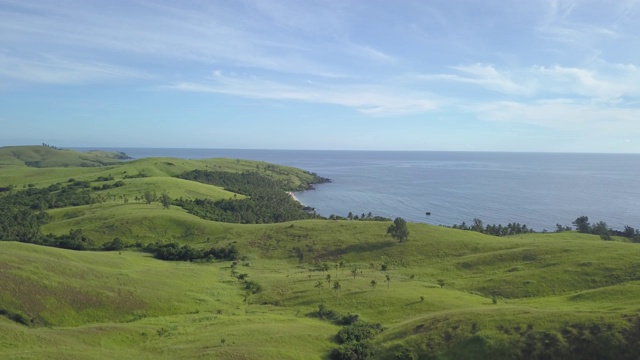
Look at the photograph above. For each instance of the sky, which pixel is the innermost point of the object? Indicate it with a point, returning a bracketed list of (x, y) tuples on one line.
[(441, 75)]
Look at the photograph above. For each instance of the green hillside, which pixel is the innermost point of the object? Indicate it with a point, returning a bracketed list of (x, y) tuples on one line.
[(443, 294), (46, 157)]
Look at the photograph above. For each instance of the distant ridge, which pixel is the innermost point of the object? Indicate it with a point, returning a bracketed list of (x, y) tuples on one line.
[(44, 156)]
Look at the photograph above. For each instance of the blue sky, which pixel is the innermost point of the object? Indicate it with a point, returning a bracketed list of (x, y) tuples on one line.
[(490, 75)]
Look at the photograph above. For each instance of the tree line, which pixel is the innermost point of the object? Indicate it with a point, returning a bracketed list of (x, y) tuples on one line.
[(581, 224)]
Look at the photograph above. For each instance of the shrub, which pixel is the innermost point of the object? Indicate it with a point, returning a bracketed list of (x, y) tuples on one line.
[(352, 351)]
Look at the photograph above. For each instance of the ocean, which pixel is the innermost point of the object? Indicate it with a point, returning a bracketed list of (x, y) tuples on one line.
[(536, 189)]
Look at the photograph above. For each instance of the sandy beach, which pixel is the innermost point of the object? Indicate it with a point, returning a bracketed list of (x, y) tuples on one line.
[(290, 193)]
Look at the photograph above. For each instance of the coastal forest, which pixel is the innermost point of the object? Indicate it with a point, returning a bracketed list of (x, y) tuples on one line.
[(102, 256)]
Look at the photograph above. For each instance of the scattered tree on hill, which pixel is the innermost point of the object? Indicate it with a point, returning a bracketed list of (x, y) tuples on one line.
[(582, 224), (165, 200), (398, 230), (441, 283), (601, 228), (336, 286), (148, 197), (354, 272), (328, 279), (384, 267), (374, 284), (387, 278)]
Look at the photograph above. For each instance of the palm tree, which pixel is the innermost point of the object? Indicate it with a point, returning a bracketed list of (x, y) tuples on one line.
[(336, 286)]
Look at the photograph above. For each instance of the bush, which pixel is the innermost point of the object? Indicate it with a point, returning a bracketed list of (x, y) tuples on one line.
[(352, 351), (358, 331)]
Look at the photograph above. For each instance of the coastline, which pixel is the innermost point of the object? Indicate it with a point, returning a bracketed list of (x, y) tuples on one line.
[(293, 196)]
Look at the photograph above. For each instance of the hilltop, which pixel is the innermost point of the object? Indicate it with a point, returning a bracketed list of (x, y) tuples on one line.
[(443, 294)]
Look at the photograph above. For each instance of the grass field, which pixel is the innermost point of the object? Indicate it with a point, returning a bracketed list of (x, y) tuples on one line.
[(446, 293)]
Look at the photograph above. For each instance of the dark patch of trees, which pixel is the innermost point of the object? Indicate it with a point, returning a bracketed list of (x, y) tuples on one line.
[(104, 178), (601, 228), (116, 184), (361, 217), (495, 230), (581, 224), (74, 240), (136, 176), (267, 200), (246, 183), (121, 155), (22, 213), (50, 146), (354, 336), (176, 252)]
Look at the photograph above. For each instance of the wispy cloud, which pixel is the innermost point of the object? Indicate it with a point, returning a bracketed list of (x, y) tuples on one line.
[(485, 76), (601, 81), (566, 114), (54, 70), (609, 81), (364, 98), (274, 36)]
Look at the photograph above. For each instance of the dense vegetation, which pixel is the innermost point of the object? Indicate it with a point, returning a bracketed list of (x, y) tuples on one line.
[(267, 200), (176, 252)]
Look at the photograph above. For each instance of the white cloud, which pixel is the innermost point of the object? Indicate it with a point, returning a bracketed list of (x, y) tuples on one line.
[(275, 36), (367, 99), (563, 114), (605, 82), (601, 81), (485, 76)]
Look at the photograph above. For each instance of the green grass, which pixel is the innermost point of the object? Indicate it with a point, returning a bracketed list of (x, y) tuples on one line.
[(127, 304), (45, 157)]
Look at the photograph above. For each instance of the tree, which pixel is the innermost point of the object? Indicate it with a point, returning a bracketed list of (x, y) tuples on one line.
[(328, 279), (628, 231), (441, 283), (398, 230), (165, 200), (148, 197), (387, 278), (354, 272), (337, 286), (601, 228), (374, 284), (582, 224)]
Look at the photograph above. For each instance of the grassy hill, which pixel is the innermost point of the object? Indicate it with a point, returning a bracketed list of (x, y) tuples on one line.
[(45, 157), (445, 293)]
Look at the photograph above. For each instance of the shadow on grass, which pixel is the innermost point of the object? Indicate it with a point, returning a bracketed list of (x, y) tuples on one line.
[(357, 248)]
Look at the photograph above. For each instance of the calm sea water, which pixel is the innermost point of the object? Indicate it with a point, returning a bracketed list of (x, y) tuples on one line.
[(537, 189)]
